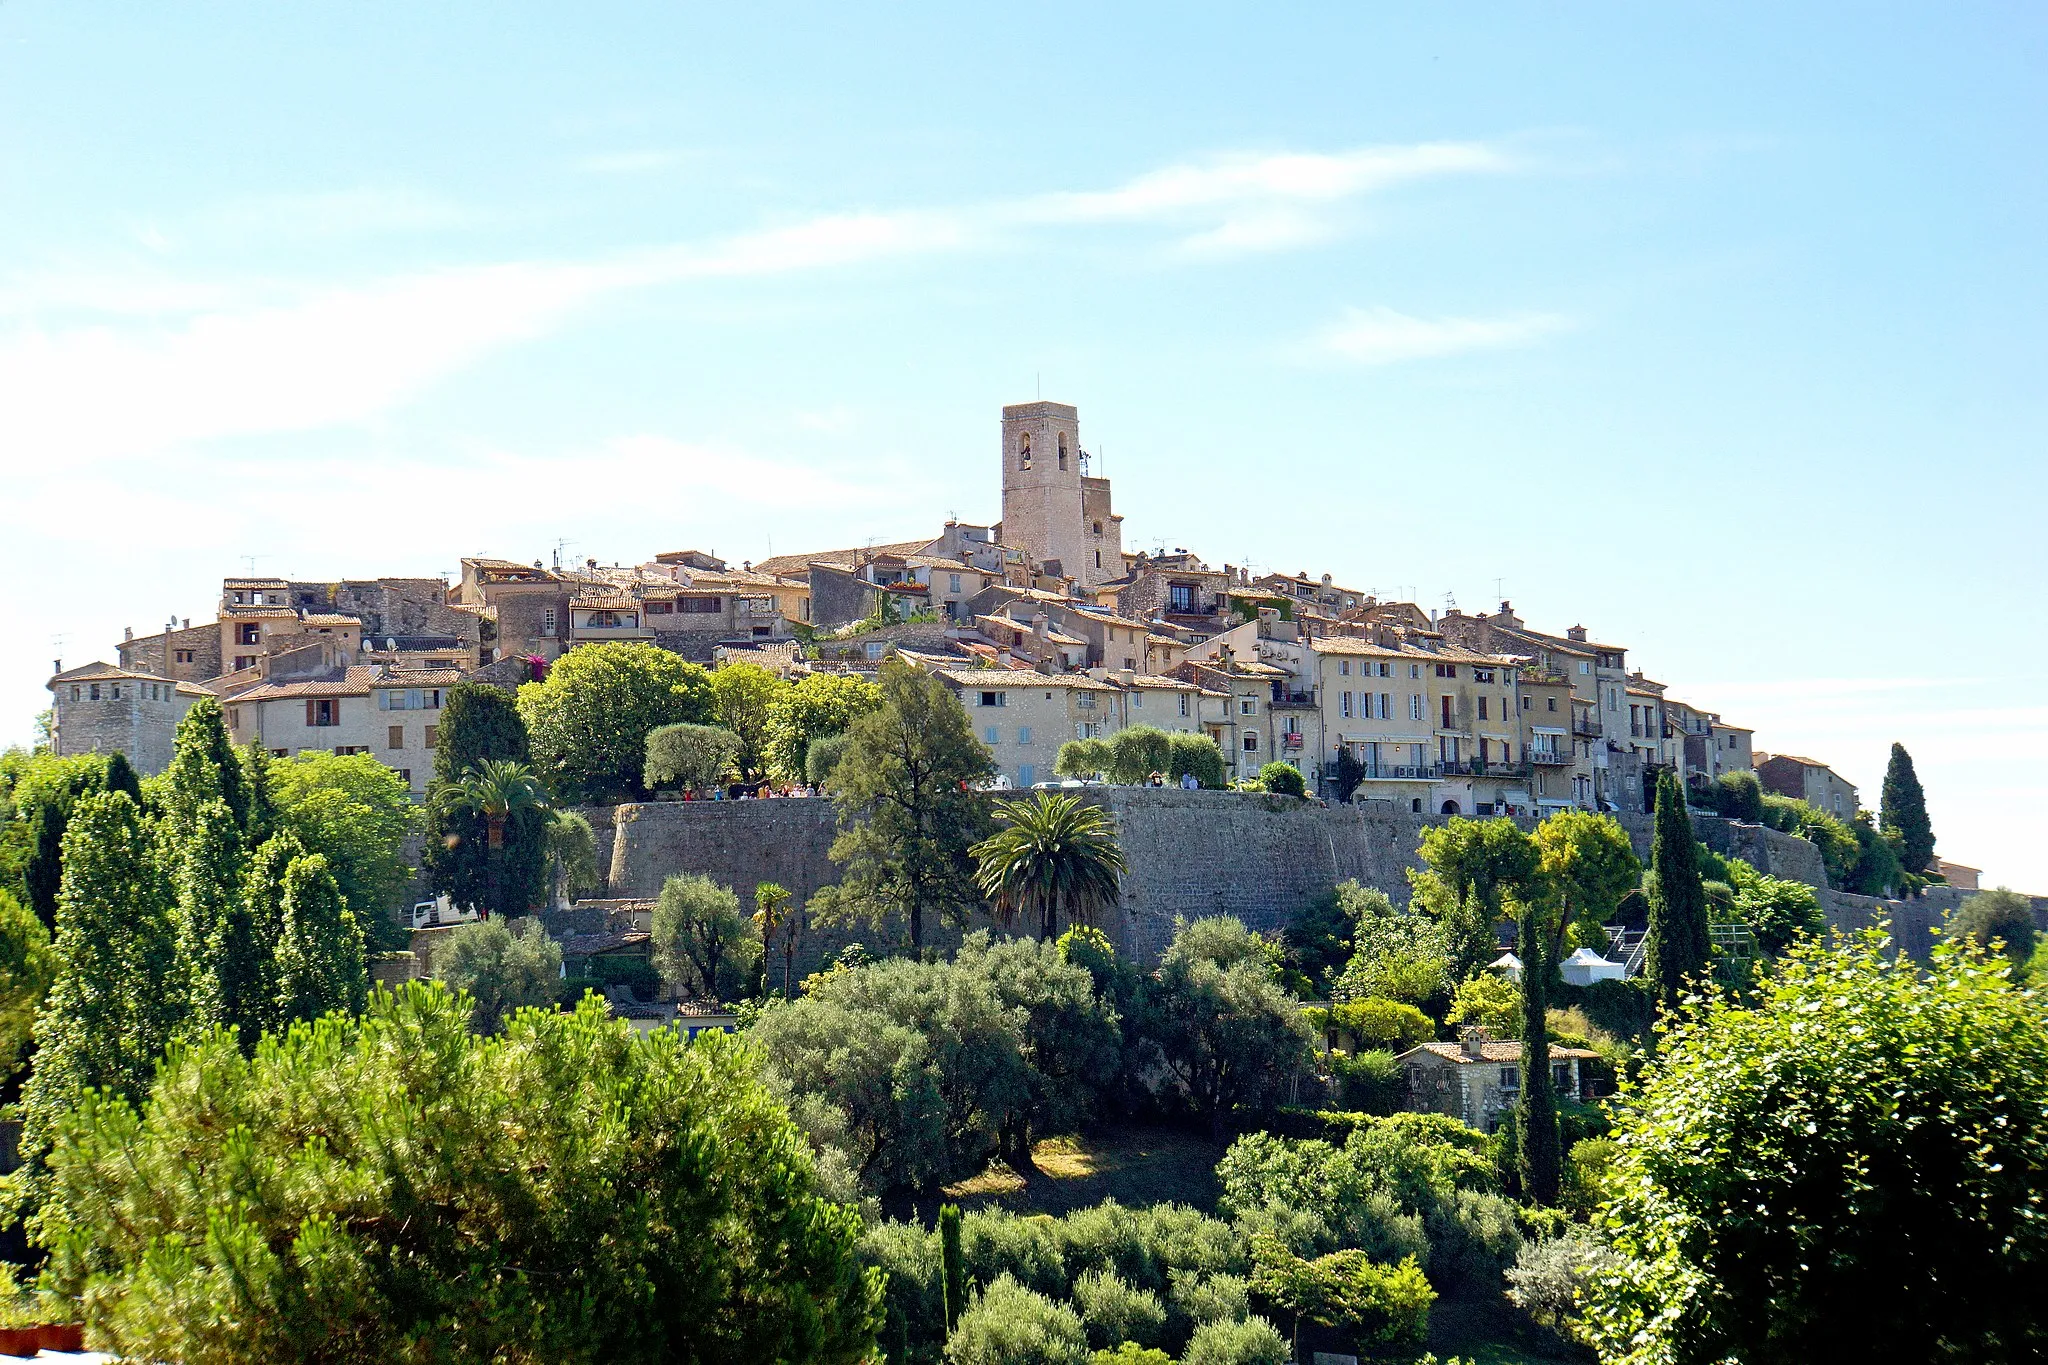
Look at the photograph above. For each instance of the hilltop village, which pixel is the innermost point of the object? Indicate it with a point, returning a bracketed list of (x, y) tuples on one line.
[(1043, 624)]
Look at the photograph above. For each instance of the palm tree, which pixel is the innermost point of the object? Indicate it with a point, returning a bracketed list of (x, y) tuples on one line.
[(1055, 854), (498, 789)]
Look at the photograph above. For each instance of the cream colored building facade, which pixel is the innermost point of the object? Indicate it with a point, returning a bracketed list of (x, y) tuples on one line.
[(393, 716)]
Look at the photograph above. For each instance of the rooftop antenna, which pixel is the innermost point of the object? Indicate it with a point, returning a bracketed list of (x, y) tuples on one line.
[(1038, 382), (560, 546), (1450, 601), (1498, 590), (250, 561)]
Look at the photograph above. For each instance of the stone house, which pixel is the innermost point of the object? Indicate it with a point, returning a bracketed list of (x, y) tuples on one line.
[(393, 715), (101, 709), (1024, 717), (1478, 1080), (1808, 780), (1176, 588)]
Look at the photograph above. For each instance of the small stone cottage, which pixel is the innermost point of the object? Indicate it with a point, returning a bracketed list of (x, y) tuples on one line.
[(1478, 1080)]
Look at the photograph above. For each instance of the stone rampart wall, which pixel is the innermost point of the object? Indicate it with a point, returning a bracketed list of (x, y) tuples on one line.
[(1190, 854)]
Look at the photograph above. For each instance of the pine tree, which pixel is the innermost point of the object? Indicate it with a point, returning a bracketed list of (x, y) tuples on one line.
[(1903, 810), (320, 963), (43, 874), (117, 996), (1540, 1156), (218, 952), (480, 722), (204, 767), (1679, 944)]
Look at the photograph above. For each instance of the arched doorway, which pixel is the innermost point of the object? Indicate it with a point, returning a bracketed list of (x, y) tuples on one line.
[(1450, 808)]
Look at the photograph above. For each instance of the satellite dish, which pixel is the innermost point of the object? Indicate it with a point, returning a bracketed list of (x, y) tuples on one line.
[(390, 645)]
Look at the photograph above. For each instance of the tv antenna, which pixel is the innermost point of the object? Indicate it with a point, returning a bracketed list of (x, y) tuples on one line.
[(560, 546), (249, 562), (1498, 590)]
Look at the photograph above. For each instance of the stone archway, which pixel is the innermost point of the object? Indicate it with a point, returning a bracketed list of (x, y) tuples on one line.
[(1450, 808)]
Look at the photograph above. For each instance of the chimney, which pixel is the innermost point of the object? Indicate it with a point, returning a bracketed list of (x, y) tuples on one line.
[(187, 623), (1473, 1039), (56, 665), (1127, 676), (1576, 633), (127, 633), (1041, 625)]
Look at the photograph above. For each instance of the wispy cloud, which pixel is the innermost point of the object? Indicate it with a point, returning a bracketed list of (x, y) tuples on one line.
[(1381, 336), (93, 369)]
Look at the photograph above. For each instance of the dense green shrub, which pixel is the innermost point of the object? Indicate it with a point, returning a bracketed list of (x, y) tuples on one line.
[(1390, 1024), (1007, 1324), (1369, 1082), (1254, 1341), (1113, 1312), (1282, 779), (363, 1185)]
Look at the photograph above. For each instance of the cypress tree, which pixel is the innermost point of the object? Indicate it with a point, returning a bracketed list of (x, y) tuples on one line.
[(117, 997), (204, 767), (1679, 944), (43, 874), (953, 1264), (261, 822), (263, 892), (480, 722), (1902, 810), (1540, 1156), (218, 952), (320, 963), (121, 777)]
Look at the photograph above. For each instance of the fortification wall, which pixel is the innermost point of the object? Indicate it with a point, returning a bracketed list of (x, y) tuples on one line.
[(1190, 854)]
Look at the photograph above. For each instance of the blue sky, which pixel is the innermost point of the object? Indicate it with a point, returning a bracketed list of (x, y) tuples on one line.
[(1719, 329)]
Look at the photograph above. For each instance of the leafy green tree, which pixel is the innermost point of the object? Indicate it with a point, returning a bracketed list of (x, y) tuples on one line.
[(1850, 1170), (263, 897), (320, 963), (1902, 810), (118, 995), (572, 855), (1415, 955), (1589, 865), (121, 777), (27, 967), (44, 795), (1007, 1324), (689, 757), (1053, 854), (1679, 946), (1083, 758), (505, 796), (1282, 779), (370, 1184), (1138, 751), (588, 721), (908, 818), (219, 956), (1490, 859), (1778, 912), (1879, 871), (915, 1067), (812, 708), (744, 698), (1380, 1305), (356, 813), (1539, 1145), (1998, 919), (1253, 1341), (1188, 752), (1739, 796), (1318, 944), (1114, 1311), (1489, 1002), (1072, 1037), (1227, 1033), (822, 757), (205, 766), (499, 971), (478, 723), (261, 821), (701, 941)]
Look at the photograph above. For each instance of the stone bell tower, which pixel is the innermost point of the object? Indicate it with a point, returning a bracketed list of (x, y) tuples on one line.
[(1051, 510)]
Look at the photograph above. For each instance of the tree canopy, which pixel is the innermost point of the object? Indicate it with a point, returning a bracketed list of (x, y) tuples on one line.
[(1054, 854), (685, 757), (356, 813), (701, 941), (372, 1188), (808, 710), (1679, 946), (744, 699), (589, 719), (497, 971), (1902, 812), (907, 814), (481, 724), (1226, 1030), (1850, 1170)]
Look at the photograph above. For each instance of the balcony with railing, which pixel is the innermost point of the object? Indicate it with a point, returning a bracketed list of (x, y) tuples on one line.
[(1587, 726), (1284, 699), (1548, 758)]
